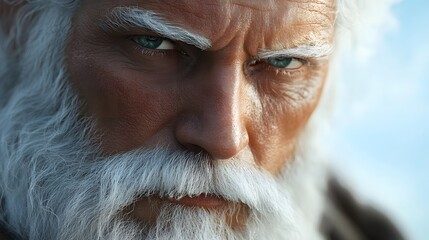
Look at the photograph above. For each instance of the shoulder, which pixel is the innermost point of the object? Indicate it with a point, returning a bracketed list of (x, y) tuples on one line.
[(345, 218), (5, 234)]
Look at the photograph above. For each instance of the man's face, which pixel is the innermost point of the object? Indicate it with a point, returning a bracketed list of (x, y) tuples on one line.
[(244, 96), (147, 90)]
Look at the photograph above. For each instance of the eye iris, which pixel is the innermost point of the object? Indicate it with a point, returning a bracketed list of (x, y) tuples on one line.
[(149, 42), (280, 62)]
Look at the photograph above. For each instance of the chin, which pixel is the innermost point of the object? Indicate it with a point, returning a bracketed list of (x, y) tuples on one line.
[(57, 185)]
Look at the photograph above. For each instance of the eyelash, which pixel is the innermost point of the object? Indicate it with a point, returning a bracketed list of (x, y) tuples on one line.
[(281, 71), (278, 71), (150, 52), (284, 72)]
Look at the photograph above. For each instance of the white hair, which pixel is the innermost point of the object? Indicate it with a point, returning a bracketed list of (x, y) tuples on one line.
[(55, 185), (359, 26), (124, 17)]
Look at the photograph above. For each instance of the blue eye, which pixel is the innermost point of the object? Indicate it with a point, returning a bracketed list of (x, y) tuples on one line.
[(151, 42), (284, 62)]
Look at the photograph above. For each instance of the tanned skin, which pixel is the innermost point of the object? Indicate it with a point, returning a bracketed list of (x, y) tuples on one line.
[(220, 101)]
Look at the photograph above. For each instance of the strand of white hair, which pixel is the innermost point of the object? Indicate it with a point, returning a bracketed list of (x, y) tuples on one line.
[(51, 190), (54, 186)]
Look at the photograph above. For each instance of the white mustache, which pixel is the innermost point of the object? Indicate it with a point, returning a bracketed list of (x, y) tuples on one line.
[(177, 174), (106, 186)]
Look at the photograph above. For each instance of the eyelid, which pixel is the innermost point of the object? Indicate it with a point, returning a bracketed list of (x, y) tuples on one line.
[(308, 61), (261, 64), (305, 62), (289, 73), (173, 43), (147, 51), (299, 58), (151, 52), (177, 48), (181, 47)]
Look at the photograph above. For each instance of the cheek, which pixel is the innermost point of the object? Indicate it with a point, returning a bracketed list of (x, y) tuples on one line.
[(283, 120), (130, 107)]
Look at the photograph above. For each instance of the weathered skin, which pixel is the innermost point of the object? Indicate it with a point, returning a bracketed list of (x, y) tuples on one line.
[(217, 101)]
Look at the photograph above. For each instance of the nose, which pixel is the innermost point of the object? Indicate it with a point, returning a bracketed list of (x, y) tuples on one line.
[(214, 116)]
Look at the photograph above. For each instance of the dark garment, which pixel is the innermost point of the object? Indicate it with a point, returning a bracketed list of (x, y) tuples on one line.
[(5, 234), (346, 219)]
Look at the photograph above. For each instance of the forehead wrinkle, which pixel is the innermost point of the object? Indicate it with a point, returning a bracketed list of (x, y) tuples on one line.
[(305, 23), (318, 12), (133, 17), (255, 4), (328, 12)]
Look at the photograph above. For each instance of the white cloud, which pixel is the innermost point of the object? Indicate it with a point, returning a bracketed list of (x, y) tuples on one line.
[(383, 132)]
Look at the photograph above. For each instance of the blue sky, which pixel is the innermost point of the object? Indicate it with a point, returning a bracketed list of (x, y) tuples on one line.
[(383, 127)]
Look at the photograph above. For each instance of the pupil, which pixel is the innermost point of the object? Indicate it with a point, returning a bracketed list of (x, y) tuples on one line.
[(151, 42), (280, 62)]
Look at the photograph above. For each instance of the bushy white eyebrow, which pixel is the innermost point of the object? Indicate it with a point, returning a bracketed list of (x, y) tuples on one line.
[(304, 51), (131, 17)]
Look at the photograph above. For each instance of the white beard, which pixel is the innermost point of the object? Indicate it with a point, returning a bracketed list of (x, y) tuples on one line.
[(55, 185)]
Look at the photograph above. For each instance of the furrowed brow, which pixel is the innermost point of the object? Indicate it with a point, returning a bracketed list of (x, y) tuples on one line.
[(128, 17), (304, 51)]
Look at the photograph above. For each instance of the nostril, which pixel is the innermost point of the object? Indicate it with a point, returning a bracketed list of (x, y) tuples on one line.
[(214, 140), (193, 148)]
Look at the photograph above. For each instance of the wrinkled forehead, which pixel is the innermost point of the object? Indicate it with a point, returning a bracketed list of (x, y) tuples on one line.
[(261, 24)]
